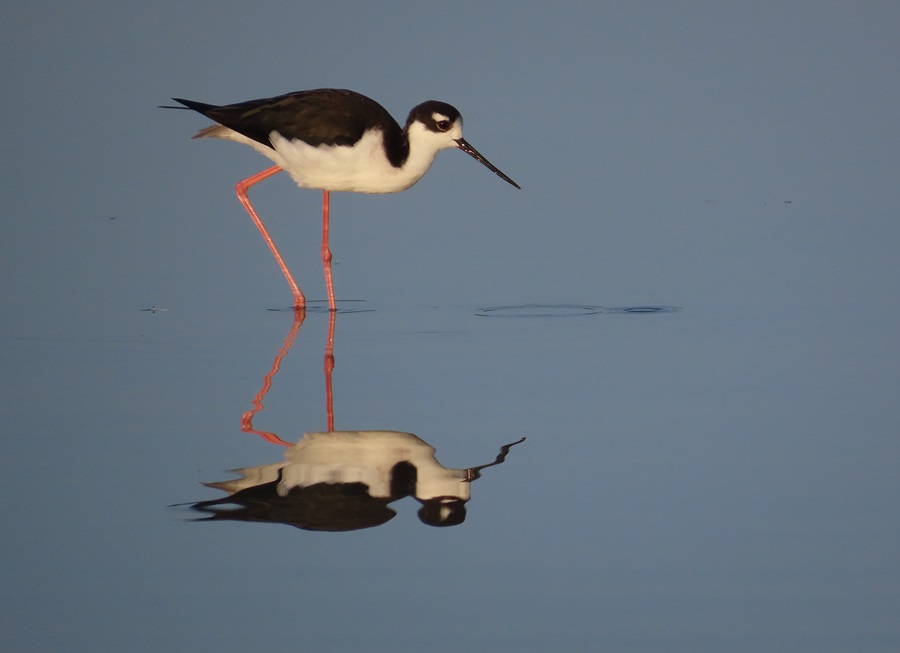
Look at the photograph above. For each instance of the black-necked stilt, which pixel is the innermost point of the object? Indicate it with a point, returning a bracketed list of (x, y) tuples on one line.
[(335, 140)]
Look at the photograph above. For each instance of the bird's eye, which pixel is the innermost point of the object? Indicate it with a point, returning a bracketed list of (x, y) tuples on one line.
[(443, 125)]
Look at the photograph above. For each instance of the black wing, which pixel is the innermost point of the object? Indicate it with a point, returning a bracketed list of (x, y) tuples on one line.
[(323, 116)]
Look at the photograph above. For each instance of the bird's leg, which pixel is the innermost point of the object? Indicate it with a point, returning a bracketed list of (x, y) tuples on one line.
[(247, 418), (329, 368), (241, 188), (326, 251)]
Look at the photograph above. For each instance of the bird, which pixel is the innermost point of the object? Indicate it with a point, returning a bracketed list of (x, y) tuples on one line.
[(335, 140)]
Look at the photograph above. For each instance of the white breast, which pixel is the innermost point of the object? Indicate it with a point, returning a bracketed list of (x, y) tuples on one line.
[(360, 168)]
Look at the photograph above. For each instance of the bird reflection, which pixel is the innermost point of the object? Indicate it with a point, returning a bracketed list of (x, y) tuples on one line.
[(342, 480), (345, 480)]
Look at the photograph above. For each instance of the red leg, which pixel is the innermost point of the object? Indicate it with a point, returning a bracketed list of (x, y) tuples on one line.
[(247, 418), (329, 368), (241, 188), (326, 252)]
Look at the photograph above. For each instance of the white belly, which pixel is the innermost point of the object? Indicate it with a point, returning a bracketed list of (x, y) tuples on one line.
[(360, 168)]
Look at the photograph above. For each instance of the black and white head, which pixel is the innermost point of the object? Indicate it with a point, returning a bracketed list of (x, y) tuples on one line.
[(436, 125)]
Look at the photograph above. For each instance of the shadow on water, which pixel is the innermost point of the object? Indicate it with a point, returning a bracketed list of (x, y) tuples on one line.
[(341, 480)]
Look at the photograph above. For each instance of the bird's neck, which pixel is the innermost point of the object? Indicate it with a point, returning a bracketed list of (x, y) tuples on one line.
[(418, 148)]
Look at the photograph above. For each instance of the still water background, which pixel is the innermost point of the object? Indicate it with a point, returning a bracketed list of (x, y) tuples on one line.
[(723, 476)]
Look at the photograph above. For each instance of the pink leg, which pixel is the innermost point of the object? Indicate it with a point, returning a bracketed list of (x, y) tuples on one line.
[(241, 188), (326, 252), (329, 368), (247, 418)]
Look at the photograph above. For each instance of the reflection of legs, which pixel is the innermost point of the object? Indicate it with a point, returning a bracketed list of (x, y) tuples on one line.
[(326, 252), (242, 188), (247, 418), (329, 367)]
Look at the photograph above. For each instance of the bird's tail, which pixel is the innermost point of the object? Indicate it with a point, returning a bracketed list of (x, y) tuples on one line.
[(200, 107)]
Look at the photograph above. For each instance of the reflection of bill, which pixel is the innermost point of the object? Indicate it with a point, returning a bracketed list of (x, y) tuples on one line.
[(344, 480)]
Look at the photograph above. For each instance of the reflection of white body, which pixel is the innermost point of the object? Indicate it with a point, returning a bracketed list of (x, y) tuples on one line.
[(367, 457), (345, 481)]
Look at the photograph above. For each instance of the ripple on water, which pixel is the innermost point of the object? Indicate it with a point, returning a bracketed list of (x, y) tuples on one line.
[(321, 306), (567, 310)]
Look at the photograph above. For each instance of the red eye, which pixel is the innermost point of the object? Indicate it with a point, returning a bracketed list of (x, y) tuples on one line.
[(443, 125)]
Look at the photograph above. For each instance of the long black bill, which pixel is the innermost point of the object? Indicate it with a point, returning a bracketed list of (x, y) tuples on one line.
[(472, 152)]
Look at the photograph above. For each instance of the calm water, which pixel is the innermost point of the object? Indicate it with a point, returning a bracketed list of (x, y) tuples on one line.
[(689, 312), (688, 480)]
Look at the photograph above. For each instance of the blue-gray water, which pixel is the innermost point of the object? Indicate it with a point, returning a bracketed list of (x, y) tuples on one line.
[(720, 475)]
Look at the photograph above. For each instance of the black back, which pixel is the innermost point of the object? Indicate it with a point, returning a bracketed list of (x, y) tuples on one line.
[(326, 116)]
